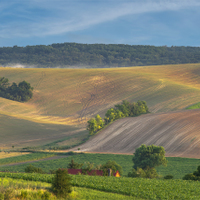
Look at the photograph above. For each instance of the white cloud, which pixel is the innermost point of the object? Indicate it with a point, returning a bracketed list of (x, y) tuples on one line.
[(59, 17)]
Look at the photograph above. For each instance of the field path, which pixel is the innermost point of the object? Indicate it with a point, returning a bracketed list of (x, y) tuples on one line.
[(32, 161), (178, 132)]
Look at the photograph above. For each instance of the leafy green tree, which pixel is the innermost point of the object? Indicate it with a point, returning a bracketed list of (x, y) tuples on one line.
[(125, 108), (111, 165), (74, 165), (99, 122), (32, 169), (92, 126), (193, 176), (21, 92), (25, 91), (3, 83), (149, 157), (95, 124), (61, 184), (110, 116), (113, 114)]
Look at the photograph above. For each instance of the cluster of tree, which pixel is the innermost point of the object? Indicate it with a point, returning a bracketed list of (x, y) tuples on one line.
[(33, 169), (87, 167), (145, 159), (97, 55), (126, 109), (21, 92), (195, 176)]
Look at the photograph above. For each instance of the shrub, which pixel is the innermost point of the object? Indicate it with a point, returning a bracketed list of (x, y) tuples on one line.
[(151, 173), (24, 194), (9, 194), (148, 173), (169, 176), (61, 184), (46, 195), (1, 196), (189, 177), (32, 169), (111, 165), (193, 176), (74, 165)]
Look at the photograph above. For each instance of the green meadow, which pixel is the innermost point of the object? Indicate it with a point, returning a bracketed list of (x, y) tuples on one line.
[(176, 166)]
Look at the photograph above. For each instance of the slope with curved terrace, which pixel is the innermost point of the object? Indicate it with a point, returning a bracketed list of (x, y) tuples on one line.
[(178, 132), (64, 99)]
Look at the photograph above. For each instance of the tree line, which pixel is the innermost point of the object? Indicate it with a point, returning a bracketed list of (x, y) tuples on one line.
[(18, 92), (97, 55), (126, 109)]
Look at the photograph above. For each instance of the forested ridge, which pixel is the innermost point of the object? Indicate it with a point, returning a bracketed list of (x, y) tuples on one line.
[(97, 55)]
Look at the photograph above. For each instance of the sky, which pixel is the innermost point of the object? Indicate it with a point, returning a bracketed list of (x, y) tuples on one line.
[(133, 22)]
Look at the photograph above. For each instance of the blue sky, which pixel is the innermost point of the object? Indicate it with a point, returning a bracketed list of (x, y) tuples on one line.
[(134, 22)]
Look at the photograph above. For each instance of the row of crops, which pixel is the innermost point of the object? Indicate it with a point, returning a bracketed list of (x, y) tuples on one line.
[(34, 190), (136, 187), (26, 157), (177, 167)]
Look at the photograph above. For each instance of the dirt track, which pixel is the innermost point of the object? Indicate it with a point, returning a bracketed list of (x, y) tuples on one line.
[(178, 132)]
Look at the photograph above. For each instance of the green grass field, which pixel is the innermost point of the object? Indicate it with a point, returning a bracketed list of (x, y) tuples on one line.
[(24, 189), (137, 187), (27, 157), (64, 99), (195, 106), (176, 166)]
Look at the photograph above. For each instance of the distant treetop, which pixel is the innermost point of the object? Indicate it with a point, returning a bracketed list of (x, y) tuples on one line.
[(97, 55)]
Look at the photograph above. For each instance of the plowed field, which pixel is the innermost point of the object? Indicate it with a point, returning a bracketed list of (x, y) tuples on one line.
[(64, 99), (178, 132)]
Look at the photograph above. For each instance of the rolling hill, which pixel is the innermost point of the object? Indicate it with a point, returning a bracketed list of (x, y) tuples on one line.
[(178, 132), (67, 98)]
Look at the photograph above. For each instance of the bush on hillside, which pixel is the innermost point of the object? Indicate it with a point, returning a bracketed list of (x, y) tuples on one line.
[(61, 184), (32, 169), (74, 165), (169, 176), (195, 176), (140, 173), (111, 165)]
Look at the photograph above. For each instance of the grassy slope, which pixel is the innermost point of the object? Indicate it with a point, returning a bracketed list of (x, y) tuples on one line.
[(70, 96)]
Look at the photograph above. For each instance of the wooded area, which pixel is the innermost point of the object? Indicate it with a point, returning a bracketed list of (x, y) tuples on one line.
[(97, 55), (21, 92)]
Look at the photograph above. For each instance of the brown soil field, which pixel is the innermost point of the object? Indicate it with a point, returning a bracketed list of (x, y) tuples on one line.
[(178, 132), (65, 99)]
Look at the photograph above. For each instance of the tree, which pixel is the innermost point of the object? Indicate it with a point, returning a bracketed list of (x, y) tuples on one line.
[(61, 184), (3, 83), (111, 165), (193, 176), (95, 124), (99, 121), (74, 165), (92, 126), (124, 108), (148, 157)]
